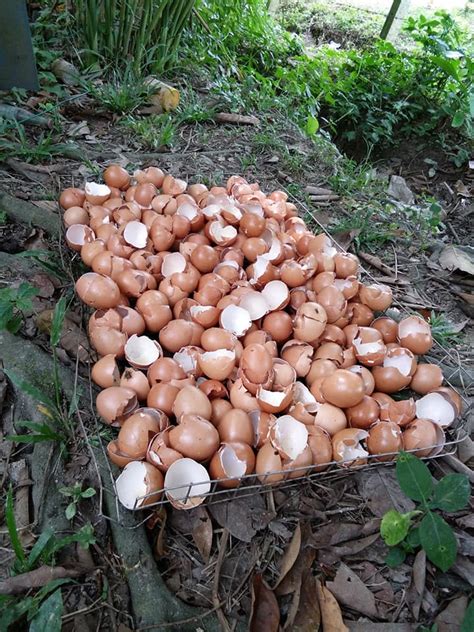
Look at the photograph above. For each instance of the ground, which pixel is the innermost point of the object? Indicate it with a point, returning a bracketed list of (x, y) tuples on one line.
[(208, 557)]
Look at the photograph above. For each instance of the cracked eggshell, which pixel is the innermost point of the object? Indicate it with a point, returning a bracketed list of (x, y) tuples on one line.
[(366, 375), (343, 388), (261, 423), (438, 407), (141, 351), (165, 370), (276, 295), (187, 359), (399, 366), (105, 371), (364, 414), (299, 355), (235, 320), (115, 404), (385, 438), (186, 484), (330, 351), (414, 334), (137, 381), (422, 436), (77, 235), (241, 398), (333, 302), (279, 325), (309, 322), (369, 347), (376, 296), (194, 437), (321, 367), (348, 449), (256, 364), (387, 327), (300, 466), (319, 443), (98, 291), (289, 436), (217, 365), (232, 461), (304, 405), (96, 194), (139, 479), (137, 431), (213, 389), (330, 418), (453, 396), (236, 425), (427, 378), (191, 400), (255, 304), (117, 457), (268, 465), (162, 396), (159, 452), (274, 401), (107, 341)]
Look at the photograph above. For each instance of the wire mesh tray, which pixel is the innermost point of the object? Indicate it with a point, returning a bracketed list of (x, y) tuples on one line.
[(251, 484)]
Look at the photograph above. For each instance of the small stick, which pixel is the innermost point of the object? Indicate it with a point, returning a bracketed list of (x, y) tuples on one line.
[(215, 585)]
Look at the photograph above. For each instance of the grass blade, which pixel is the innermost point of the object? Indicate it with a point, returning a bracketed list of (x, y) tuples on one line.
[(12, 529)]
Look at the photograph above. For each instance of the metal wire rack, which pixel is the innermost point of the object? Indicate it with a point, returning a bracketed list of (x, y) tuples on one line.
[(250, 484)]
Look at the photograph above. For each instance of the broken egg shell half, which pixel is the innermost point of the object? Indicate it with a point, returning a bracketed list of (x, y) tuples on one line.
[(191, 400), (385, 438), (414, 333), (115, 404), (423, 437), (236, 426), (427, 378), (347, 447), (438, 407), (137, 381), (268, 465), (159, 453), (289, 436), (105, 371), (139, 485), (119, 459), (194, 437), (364, 414), (141, 351), (399, 366), (233, 460), (320, 445), (137, 431), (187, 483), (343, 388), (218, 364)]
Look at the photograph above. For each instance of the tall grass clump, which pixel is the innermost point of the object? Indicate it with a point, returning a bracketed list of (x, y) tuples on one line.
[(142, 33)]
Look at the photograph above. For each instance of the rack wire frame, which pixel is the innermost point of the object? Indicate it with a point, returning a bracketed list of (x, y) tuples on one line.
[(250, 484)]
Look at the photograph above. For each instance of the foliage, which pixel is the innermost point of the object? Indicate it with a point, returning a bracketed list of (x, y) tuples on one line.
[(423, 527), (15, 143), (76, 494), (124, 91), (443, 330), (44, 608), (58, 423), (13, 302), (118, 32), (152, 132)]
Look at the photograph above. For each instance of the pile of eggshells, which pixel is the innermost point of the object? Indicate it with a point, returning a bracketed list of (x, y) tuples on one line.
[(233, 341)]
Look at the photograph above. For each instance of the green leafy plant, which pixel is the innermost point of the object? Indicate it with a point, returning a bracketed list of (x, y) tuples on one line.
[(423, 527), (76, 494), (13, 302), (15, 143), (443, 330), (117, 31), (123, 93), (44, 608), (152, 132), (58, 424)]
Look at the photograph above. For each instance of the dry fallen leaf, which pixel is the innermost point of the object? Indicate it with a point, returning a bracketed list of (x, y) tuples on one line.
[(417, 587), (351, 591), (451, 617), (265, 613), (331, 615), (458, 258), (202, 535), (290, 555), (308, 617)]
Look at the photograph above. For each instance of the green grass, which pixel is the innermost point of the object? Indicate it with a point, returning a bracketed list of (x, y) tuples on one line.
[(443, 330), (15, 143), (152, 132)]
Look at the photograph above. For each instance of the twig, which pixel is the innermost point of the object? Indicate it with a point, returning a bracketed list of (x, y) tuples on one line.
[(174, 624), (215, 584), (21, 115), (376, 263), (459, 466), (37, 578)]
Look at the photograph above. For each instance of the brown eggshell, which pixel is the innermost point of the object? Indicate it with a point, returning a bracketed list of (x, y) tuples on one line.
[(421, 436), (195, 437), (232, 460), (330, 418), (414, 333), (269, 460), (115, 404), (320, 367), (162, 396), (191, 400), (347, 447), (387, 327), (364, 414), (105, 372), (72, 197), (256, 363), (427, 378), (137, 431), (279, 325), (97, 291), (385, 437), (310, 322), (343, 388), (137, 381), (236, 425), (367, 377), (165, 370), (108, 341), (299, 355), (388, 378), (377, 297), (319, 443)]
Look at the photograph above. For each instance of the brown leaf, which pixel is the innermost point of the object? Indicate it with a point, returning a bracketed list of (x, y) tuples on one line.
[(37, 578), (202, 536), (354, 546), (265, 613), (450, 619), (290, 555), (236, 119), (382, 492), (337, 532), (331, 615), (417, 587), (308, 617), (457, 258), (243, 517), (292, 580), (350, 590)]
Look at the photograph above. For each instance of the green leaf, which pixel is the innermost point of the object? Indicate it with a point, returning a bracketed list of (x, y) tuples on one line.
[(458, 119), (413, 538), (39, 546), (414, 477), (12, 529), (14, 323), (467, 624), (312, 125), (395, 557), (49, 614), (394, 527), (451, 493), (437, 539), (88, 493), (71, 511)]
